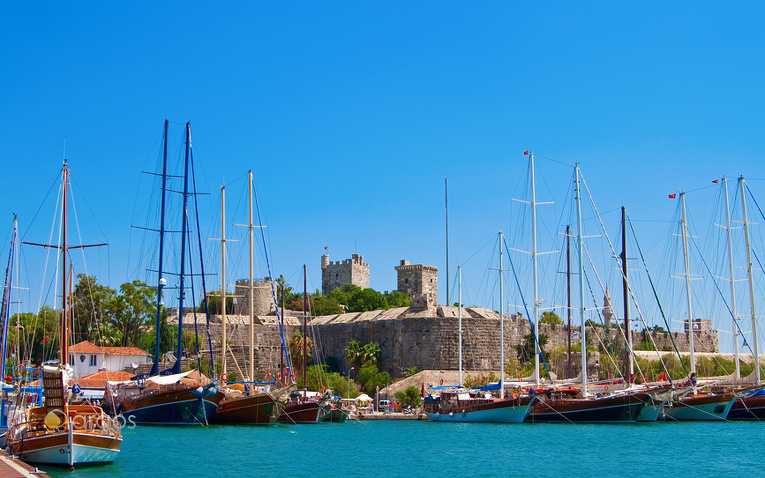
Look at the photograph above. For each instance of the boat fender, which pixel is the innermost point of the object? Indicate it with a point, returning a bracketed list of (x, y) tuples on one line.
[(464, 413), (442, 381), (224, 377), (451, 414), (606, 388)]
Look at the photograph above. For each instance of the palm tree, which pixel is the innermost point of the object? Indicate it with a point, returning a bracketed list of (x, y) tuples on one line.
[(371, 353), (296, 351), (353, 353)]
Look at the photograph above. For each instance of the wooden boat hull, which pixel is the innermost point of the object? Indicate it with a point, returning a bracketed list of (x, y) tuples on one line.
[(54, 449), (302, 413), (259, 409), (176, 407), (701, 408), (506, 410), (748, 408), (335, 415), (613, 409)]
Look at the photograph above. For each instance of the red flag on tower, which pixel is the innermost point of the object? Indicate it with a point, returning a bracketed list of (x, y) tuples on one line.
[(526, 153), (716, 181), (325, 248), (672, 196)]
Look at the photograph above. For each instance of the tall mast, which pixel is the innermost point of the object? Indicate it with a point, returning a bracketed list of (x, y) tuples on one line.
[(501, 326), (281, 354), (64, 359), (160, 280), (688, 286), (252, 291), (583, 332), (732, 284), (305, 329), (626, 298), (181, 290), (568, 295), (446, 203), (223, 277), (751, 282), (534, 265), (459, 316), (5, 315)]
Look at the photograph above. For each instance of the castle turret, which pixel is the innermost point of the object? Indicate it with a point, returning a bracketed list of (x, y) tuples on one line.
[(337, 274), (419, 282)]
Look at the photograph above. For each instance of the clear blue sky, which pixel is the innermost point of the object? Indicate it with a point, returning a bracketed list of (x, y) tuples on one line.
[(351, 114)]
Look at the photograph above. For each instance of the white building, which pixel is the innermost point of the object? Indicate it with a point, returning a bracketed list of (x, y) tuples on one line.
[(87, 358)]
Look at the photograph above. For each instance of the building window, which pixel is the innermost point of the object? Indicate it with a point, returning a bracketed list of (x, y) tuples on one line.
[(92, 360), (71, 359)]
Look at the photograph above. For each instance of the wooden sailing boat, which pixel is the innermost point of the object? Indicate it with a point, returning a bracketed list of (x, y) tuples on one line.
[(300, 410), (690, 404), (750, 405), (577, 405), (57, 432), (460, 405), (168, 397), (240, 407)]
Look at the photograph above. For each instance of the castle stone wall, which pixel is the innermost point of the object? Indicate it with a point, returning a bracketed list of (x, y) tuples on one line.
[(337, 274)]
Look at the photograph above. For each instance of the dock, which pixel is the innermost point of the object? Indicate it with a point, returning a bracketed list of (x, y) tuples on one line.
[(392, 416), (15, 468)]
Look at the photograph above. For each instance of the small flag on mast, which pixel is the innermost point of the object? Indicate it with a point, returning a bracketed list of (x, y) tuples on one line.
[(672, 196), (716, 181), (525, 153)]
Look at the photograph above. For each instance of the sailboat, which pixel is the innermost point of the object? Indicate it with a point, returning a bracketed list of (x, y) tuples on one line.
[(691, 404), (169, 397), (298, 409), (238, 406), (750, 405), (457, 404), (577, 405), (58, 432), (5, 307)]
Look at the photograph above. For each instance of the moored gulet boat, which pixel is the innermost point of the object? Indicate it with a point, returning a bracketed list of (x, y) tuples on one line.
[(689, 404), (243, 404), (168, 397), (57, 432), (577, 405), (457, 404)]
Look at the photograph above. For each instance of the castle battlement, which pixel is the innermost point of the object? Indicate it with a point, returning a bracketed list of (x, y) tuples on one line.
[(336, 274)]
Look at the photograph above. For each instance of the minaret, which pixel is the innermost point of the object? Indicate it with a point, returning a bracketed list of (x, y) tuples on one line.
[(608, 312)]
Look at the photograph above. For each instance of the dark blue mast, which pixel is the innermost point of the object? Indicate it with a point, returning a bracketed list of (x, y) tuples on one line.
[(181, 291), (5, 315), (160, 279)]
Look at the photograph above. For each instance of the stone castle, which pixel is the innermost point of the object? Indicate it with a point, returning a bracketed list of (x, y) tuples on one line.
[(424, 335)]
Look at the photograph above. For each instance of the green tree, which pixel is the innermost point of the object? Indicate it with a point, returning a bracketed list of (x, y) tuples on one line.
[(398, 299), (550, 317), (133, 310), (319, 376), (214, 303), (370, 377), (353, 353), (92, 305), (370, 353), (409, 397), (325, 305), (366, 300), (296, 347), (527, 349), (411, 371)]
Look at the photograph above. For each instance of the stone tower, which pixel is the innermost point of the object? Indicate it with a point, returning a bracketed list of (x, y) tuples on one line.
[(419, 282), (337, 274), (608, 312), (262, 299)]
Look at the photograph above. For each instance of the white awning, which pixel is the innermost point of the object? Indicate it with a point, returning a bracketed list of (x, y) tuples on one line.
[(168, 379)]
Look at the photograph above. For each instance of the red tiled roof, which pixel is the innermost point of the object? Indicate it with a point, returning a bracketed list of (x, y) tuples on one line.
[(99, 379), (86, 347)]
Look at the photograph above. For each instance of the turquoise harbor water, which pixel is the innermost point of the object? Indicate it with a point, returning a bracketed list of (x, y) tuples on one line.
[(410, 448)]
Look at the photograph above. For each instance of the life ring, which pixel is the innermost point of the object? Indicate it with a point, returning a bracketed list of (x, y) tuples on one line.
[(605, 388), (224, 377)]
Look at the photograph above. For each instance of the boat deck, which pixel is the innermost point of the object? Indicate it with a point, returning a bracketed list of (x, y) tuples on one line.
[(15, 468)]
